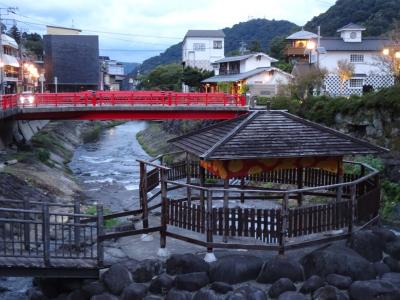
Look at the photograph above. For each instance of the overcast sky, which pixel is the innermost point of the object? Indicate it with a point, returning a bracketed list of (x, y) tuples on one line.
[(144, 28)]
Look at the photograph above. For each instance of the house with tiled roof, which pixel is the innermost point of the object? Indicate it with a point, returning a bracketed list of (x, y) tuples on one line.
[(364, 53)]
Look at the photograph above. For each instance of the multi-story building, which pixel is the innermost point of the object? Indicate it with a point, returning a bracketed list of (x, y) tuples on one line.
[(253, 70), (201, 48), (364, 53), (71, 60), (111, 75), (9, 64)]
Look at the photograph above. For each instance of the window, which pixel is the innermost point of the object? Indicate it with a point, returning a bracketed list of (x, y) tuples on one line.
[(217, 45), (356, 58), (356, 83), (199, 47), (353, 35)]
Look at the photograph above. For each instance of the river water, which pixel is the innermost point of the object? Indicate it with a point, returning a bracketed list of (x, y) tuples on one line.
[(107, 168), (108, 173)]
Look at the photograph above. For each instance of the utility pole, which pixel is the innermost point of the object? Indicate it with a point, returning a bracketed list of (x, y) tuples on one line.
[(2, 65)]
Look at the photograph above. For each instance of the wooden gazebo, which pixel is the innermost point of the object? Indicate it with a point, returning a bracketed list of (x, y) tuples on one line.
[(239, 159)]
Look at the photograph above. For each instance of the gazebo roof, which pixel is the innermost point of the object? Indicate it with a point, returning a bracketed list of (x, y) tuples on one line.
[(270, 134)]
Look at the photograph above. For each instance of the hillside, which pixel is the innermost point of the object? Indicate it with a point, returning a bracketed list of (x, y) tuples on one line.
[(377, 16), (260, 30)]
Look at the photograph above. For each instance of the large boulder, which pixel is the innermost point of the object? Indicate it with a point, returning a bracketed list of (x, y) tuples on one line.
[(221, 287), (191, 281), (385, 235), (116, 278), (338, 260), (161, 284), (393, 248), (312, 284), (339, 281), (393, 278), (373, 290), (367, 244), (292, 296), (247, 292), (145, 270), (175, 294), (280, 286), (235, 268), (280, 267), (206, 294), (93, 288), (134, 291), (104, 296), (392, 264), (185, 263), (329, 292), (76, 295)]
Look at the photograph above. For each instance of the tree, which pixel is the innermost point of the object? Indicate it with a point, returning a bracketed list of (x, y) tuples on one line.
[(164, 78), (255, 46), (307, 79), (15, 34), (33, 42), (194, 76), (345, 71), (277, 47)]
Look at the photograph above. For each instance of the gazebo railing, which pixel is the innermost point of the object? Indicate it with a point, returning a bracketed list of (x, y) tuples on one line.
[(280, 228)]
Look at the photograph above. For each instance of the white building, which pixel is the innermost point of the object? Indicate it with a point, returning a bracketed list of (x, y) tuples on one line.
[(112, 74), (365, 53), (201, 48), (253, 70), (9, 64)]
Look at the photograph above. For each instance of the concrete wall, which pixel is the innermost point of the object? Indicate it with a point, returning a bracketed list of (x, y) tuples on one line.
[(12, 131)]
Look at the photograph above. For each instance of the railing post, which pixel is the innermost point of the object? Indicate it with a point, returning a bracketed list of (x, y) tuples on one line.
[(188, 180), (300, 184), (226, 208), (46, 234), (284, 227), (339, 190), (353, 207), (164, 209), (202, 174), (27, 234), (209, 223), (242, 188), (143, 194), (77, 231), (100, 232)]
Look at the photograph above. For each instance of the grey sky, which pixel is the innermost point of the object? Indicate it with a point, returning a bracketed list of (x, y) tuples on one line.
[(147, 26)]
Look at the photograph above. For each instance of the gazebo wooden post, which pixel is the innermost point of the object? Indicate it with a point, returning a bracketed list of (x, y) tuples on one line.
[(285, 215), (202, 174), (209, 224), (188, 179), (226, 208), (164, 209), (143, 194), (339, 179), (242, 187), (353, 204), (300, 185)]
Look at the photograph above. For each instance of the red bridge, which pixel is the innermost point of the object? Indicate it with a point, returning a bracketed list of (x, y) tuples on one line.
[(122, 105)]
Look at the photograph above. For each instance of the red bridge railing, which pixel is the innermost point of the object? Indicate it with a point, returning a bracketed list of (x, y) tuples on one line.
[(121, 98)]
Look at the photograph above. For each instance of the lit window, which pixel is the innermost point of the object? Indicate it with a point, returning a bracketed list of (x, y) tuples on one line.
[(217, 45), (356, 83), (356, 58), (199, 47)]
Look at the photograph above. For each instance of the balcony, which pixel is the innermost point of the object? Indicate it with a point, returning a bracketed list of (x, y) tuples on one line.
[(295, 51)]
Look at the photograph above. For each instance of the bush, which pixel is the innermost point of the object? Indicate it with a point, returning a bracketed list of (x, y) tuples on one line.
[(92, 210), (43, 155)]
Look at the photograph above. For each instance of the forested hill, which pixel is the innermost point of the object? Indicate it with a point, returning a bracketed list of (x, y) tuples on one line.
[(377, 16), (256, 33)]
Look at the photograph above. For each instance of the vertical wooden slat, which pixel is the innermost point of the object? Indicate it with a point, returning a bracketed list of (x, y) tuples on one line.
[(240, 222), (259, 222), (246, 221), (100, 249), (46, 234), (252, 222)]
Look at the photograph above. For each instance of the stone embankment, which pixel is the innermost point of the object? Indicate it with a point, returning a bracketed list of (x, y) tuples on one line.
[(367, 267)]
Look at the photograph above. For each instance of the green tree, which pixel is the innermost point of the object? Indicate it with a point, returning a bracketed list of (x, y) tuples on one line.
[(255, 46), (194, 76), (15, 34), (277, 47), (33, 42), (164, 78)]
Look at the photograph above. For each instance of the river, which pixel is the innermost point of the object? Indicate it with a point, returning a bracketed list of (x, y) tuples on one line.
[(107, 168), (108, 173)]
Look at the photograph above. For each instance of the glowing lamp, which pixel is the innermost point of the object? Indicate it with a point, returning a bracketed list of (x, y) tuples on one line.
[(385, 51), (397, 55), (311, 45)]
